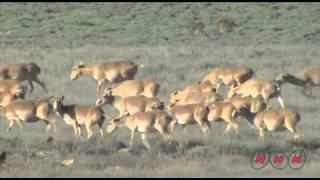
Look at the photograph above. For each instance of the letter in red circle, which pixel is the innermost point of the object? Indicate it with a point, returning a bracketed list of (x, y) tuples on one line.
[(278, 159), (296, 159), (260, 159)]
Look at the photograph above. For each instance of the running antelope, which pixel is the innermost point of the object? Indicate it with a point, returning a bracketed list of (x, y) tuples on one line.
[(22, 72), (254, 88), (7, 97), (191, 114), (148, 88), (144, 122), (206, 87), (231, 75), (108, 72), (223, 111), (197, 87), (275, 120), (307, 78), (78, 115), (28, 111), (131, 104), (14, 87), (253, 105)]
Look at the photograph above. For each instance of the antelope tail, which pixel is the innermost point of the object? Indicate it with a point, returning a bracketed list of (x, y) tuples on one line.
[(297, 116)]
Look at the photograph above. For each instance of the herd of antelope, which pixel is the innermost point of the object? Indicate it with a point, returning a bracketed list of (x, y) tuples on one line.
[(141, 111)]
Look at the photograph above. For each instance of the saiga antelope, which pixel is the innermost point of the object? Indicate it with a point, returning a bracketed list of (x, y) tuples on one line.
[(131, 104), (144, 122), (22, 72), (28, 111), (78, 115), (254, 88), (275, 120), (307, 78), (107, 72)]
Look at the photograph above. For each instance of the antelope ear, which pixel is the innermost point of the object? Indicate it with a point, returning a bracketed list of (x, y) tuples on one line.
[(109, 92), (175, 93), (116, 120), (214, 90), (161, 105), (171, 105), (81, 65)]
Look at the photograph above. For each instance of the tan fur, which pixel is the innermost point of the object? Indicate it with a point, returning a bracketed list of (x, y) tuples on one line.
[(22, 72), (131, 104), (28, 111), (79, 115), (307, 78), (223, 111), (144, 122), (312, 73), (198, 87), (148, 88), (191, 114), (108, 72), (194, 98), (275, 120), (253, 105), (14, 87), (231, 75), (6, 98), (254, 88)]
